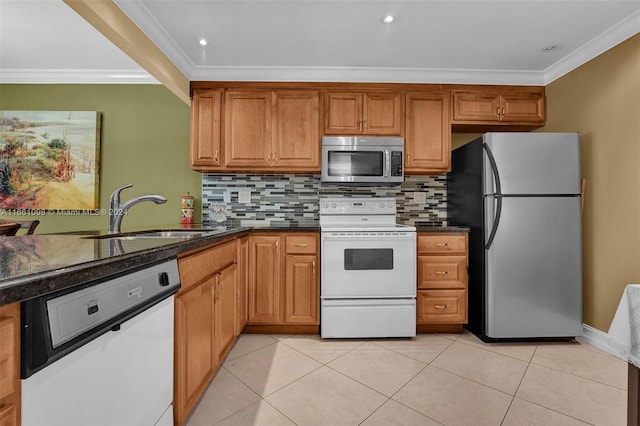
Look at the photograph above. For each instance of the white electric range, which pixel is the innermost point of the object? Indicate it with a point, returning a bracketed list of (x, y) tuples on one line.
[(368, 270)]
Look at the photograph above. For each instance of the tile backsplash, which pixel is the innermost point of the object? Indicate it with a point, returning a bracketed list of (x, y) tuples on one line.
[(292, 200)]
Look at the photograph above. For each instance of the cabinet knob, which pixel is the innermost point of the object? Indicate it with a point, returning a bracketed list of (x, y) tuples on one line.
[(441, 272)]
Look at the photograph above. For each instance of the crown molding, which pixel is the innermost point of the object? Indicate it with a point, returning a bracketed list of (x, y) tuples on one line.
[(610, 38), (73, 76), (154, 31), (369, 75)]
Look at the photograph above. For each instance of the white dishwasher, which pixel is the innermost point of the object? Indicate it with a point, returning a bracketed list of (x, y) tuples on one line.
[(102, 353)]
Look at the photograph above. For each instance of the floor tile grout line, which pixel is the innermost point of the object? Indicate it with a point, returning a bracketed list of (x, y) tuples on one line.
[(276, 408), (321, 362), (479, 346), (472, 381), (579, 376), (374, 411), (414, 410), (357, 381), (250, 352), (552, 409)]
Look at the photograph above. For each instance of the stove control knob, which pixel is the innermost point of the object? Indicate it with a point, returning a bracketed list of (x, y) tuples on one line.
[(390, 205), (325, 205), (333, 205), (381, 205)]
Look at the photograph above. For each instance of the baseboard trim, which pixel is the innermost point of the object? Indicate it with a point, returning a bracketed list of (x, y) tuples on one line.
[(599, 339)]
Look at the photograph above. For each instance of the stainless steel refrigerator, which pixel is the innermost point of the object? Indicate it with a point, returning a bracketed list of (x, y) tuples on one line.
[(520, 195)]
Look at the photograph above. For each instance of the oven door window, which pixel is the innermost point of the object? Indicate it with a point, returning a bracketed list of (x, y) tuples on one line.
[(368, 259), (356, 163)]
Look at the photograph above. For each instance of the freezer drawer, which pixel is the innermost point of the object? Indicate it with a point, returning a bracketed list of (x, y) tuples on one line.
[(368, 318)]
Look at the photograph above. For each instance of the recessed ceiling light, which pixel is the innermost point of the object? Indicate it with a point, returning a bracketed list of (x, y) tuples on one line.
[(388, 18), (550, 48), (203, 42)]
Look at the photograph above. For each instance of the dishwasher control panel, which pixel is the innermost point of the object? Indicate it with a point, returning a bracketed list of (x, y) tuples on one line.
[(54, 325)]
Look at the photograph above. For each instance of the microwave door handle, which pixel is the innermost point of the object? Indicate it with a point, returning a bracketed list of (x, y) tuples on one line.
[(387, 163)]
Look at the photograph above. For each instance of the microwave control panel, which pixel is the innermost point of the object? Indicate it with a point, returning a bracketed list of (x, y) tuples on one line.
[(396, 163)]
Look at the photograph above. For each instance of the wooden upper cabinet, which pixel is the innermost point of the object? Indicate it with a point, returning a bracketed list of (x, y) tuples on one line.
[(266, 130), (428, 132), (247, 129), (343, 113), (296, 137), (205, 128), (500, 106), (363, 113)]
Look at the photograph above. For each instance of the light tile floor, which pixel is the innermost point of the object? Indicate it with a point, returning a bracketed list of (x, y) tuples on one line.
[(446, 379)]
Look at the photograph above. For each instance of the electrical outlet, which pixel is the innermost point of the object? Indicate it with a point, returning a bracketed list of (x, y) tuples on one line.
[(420, 198), (226, 197), (244, 196)]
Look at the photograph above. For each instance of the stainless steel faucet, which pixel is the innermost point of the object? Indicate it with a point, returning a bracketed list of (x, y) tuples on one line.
[(117, 210)]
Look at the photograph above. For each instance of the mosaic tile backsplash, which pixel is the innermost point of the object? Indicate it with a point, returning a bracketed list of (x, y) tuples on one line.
[(293, 200)]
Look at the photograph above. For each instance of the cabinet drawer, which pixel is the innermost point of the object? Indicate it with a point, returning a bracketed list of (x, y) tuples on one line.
[(442, 243), (442, 272), (201, 265), (301, 244), (7, 356), (442, 307)]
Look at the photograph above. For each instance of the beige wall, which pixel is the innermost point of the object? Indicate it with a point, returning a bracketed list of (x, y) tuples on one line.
[(601, 101)]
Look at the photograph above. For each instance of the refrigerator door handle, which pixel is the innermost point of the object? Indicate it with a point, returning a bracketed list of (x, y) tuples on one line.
[(498, 195)]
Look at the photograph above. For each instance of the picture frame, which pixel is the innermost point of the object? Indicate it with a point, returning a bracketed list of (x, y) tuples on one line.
[(49, 160)]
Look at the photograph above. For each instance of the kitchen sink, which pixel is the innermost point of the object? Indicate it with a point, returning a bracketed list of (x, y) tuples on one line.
[(162, 233)]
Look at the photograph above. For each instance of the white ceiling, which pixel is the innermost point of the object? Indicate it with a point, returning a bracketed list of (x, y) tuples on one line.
[(437, 41)]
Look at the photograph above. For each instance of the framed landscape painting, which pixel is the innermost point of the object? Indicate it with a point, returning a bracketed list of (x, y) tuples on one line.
[(49, 160)]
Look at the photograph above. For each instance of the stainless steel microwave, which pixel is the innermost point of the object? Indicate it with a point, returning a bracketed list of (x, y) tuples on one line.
[(361, 160)]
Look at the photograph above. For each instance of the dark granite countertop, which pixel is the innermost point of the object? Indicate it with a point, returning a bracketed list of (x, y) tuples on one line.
[(34, 265), (432, 228)]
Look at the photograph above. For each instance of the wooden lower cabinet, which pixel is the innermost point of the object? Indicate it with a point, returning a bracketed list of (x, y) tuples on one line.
[(225, 305), (264, 279), (205, 321), (301, 289), (10, 365), (442, 279), (242, 308), (195, 355), (284, 279)]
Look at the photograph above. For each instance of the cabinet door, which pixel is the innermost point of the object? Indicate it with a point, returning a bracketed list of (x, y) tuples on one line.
[(242, 284), (195, 354), (10, 388), (301, 290), (480, 106), (523, 108), (382, 114), (9, 416), (428, 132), (205, 129), (247, 129), (264, 279), (296, 127), (225, 308), (343, 113)]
